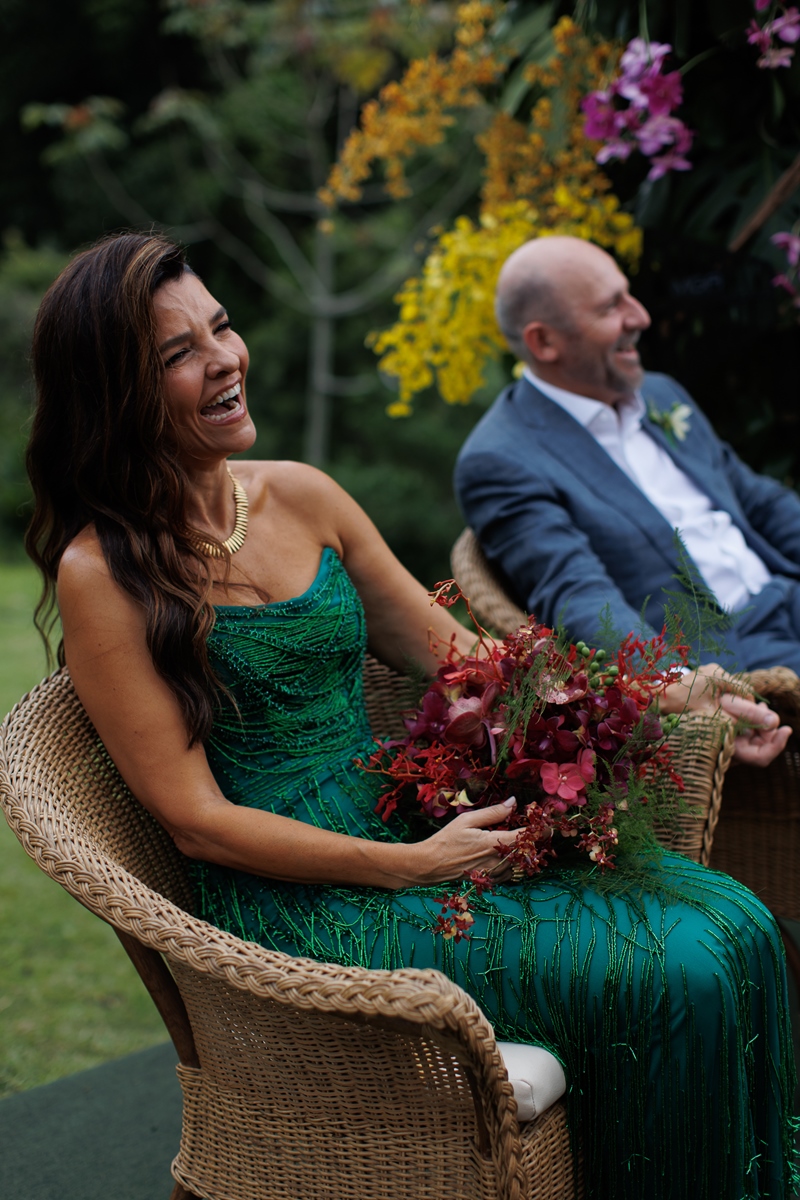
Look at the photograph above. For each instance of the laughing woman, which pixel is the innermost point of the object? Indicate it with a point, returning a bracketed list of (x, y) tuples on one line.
[(215, 624)]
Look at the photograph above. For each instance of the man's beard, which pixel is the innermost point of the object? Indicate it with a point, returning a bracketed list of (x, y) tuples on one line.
[(600, 372)]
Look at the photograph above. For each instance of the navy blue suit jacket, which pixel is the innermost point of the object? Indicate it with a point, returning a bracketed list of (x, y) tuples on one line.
[(571, 534)]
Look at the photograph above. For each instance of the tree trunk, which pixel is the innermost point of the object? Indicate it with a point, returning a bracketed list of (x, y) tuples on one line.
[(320, 359)]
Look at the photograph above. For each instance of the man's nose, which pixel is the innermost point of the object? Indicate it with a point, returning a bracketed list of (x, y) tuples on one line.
[(637, 316)]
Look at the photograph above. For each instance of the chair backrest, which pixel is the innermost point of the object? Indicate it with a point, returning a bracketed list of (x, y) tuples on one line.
[(477, 579), (293, 1055)]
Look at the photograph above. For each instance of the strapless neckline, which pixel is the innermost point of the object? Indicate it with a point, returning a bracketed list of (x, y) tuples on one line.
[(325, 562)]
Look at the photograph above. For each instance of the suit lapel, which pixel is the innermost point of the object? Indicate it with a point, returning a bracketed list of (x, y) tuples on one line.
[(695, 465), (589, 464)]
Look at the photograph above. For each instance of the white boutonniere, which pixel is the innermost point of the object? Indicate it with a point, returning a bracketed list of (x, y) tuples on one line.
[(674, 422)]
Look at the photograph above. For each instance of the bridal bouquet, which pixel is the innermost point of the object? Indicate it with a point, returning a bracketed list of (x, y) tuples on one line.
[(572, 732)]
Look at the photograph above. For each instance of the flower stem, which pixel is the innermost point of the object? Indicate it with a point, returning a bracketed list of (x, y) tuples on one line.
[(698, 58), (644, 29)]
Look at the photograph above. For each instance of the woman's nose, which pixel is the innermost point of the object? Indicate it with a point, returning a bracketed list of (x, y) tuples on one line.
[(223, 361)]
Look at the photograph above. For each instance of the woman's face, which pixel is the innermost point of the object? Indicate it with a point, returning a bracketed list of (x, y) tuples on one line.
[(205, 364)]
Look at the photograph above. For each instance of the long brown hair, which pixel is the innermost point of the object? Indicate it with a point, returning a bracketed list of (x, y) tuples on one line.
[(101, 453)]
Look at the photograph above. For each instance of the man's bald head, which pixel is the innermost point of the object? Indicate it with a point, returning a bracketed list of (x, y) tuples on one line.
[(539, 282), (565, 308)]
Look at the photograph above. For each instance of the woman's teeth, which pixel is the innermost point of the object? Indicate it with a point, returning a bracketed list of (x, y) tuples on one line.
[(224, 405)]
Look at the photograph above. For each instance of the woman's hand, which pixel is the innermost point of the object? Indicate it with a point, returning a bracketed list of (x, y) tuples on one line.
[(466, 844), (710, 689)]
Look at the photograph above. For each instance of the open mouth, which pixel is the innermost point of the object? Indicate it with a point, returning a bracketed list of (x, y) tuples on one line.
[(628, 353), (225, 406)]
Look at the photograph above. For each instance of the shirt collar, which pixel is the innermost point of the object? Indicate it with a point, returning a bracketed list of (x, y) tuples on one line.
[(584, 409)]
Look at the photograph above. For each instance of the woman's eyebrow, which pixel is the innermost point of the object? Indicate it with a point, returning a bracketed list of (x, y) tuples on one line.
[(173, 341), (182, 337)]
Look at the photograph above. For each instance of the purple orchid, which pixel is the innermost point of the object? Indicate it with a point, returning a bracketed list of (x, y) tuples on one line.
[(640, 54), (777, 57), (601, 115), (759, 35), (662, 92), (671, 161), (783, 281), (616, 148), (658, 132), (645, 122), (787, 27), (790, 242)]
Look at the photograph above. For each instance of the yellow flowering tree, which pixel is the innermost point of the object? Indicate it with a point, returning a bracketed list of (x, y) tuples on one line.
[(540, 178)]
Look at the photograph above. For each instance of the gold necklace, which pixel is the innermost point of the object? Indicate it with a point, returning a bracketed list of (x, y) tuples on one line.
[(236, 540)]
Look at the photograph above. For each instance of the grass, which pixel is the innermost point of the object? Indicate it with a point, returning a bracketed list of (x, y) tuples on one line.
[(69, 997)]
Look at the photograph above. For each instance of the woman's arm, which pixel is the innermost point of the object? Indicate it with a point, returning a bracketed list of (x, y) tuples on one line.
[(140, 723), (399, 611)]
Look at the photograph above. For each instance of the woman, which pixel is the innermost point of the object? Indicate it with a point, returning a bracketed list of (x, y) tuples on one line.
[(223, 672)]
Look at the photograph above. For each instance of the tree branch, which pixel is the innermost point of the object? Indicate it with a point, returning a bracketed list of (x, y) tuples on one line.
[(775, 197), (284, 243), (386, 277)]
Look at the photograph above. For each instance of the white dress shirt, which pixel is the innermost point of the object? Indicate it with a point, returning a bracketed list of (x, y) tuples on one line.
[(732, 571)]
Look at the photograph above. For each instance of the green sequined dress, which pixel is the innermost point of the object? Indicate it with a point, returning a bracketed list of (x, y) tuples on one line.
[(669, 1014)]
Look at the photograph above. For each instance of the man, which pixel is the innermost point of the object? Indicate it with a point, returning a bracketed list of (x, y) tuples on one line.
[(577, 478)]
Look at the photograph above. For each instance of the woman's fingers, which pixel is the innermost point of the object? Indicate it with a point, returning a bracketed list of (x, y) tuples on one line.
[(468, 843), (480, 818)]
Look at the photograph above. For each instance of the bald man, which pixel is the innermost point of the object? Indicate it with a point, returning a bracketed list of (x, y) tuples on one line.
[(577, 478)]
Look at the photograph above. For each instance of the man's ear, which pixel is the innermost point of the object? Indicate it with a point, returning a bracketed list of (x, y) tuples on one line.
[(542, 342)]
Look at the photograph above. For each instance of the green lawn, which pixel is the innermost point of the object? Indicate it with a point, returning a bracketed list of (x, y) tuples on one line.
[(69, 997)]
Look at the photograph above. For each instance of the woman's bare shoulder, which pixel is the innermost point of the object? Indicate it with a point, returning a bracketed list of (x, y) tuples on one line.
[(84, 579), (83, 559), (293, 483)]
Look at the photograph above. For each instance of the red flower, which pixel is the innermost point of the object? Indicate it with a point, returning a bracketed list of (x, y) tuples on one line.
[(545, 721), (568, 780)]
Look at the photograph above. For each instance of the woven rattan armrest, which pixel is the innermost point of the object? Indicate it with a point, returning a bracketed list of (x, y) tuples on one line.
[(251, 1025)]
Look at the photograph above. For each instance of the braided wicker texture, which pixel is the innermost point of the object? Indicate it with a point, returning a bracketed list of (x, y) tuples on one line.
[(702, 745), (757, 840), (487, 594), (304, 1078)]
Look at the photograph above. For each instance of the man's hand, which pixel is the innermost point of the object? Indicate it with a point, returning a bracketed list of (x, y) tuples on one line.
[(760, 738)]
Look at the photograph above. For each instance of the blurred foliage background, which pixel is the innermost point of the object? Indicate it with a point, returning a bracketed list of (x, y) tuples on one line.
[(218, 120)]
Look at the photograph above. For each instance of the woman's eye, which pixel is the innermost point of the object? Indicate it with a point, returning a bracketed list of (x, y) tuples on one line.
[(175, 358)]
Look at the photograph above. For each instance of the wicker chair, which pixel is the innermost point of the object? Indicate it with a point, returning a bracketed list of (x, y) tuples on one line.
[(756, 834), (300, 1079)]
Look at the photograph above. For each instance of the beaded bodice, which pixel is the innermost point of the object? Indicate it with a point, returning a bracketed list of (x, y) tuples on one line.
[(294, 669)]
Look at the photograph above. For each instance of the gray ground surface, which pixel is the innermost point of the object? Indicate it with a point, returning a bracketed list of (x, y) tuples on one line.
[(109, 1132)]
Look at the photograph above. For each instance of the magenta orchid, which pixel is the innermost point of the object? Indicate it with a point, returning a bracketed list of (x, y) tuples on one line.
[(646, 125), (790, 242), (785, 27), (789, 280)]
